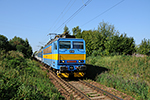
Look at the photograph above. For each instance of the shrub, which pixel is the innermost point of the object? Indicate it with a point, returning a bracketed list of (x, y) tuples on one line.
[(22, 78)]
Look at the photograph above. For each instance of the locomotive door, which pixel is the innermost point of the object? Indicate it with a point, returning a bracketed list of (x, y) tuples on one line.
[(54, 55)]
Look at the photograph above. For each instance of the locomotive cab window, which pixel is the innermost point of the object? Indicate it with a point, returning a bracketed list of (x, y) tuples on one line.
[(64, 44), (77, 45)]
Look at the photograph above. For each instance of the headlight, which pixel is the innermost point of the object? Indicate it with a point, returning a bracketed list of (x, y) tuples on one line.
[(81, 61), (62, 61)]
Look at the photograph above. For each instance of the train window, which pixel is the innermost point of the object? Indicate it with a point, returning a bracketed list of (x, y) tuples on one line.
[(55, 46), (48, 50), (64, 44), (77, 45)]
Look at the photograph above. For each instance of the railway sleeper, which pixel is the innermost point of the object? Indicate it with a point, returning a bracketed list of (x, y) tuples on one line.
[(75, 96), (98, 98), (94, 95), (90, 92)]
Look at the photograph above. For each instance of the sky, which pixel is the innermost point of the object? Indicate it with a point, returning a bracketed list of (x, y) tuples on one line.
[(35, 19)]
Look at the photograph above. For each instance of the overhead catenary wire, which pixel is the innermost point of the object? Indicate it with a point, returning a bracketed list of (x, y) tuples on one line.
[(56, 22), (103, 12), (59, 15), (73, 15)]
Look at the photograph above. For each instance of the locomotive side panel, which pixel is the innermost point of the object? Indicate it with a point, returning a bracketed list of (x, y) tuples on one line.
[(47, 55), (50, 55)]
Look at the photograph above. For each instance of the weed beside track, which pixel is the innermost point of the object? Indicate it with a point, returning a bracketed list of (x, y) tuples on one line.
[(128, 74)]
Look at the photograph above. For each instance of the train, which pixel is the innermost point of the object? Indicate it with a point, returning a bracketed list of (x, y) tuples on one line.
[(65, 55)]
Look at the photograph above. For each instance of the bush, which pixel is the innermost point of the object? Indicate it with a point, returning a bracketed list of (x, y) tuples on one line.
[(22, 78)]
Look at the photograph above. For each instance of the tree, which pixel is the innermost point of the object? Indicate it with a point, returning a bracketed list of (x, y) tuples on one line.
[(66, 29), (144, 47), (20, 48), (106, 40), (77, 32), (87, 36), (16, 41), (120, 44), (3, 42), (21, 45)]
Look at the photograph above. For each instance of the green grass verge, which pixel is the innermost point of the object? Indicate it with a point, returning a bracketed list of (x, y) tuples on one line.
[(22, 78), (128, 74)]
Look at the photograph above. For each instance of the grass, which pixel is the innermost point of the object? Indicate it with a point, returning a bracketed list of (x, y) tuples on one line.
[(22, 78), (128, 74)]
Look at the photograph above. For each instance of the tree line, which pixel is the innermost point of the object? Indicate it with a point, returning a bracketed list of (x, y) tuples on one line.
[(106, 40), (103, 41), (16, 44)]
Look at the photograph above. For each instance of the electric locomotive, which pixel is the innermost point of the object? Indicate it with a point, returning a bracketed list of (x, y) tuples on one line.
[(66, 55)]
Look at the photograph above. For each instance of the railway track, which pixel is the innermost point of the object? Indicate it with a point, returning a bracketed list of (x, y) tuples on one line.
[(93, 92), (81, 90)]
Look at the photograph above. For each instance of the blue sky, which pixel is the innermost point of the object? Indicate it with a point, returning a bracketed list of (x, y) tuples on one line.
[(35, 19)]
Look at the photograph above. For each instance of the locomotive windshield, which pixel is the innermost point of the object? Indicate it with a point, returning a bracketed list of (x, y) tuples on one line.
[(64, 44), (77, 45)]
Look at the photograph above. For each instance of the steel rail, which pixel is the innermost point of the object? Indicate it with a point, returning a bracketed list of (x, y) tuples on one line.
[(102, 91), (78, 92)]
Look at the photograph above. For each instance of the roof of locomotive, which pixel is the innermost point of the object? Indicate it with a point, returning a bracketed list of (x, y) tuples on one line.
[(53, 40), (64, 35), (70, 39)]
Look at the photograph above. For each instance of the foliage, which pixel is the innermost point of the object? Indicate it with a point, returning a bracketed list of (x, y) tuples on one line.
[(21, 45), (22, 78), (128, 74), (120, 44), (16, 43), (66, 29), (3, 42), (87, 36), (131, 86), (144, 47), (35, 53), (105, 41), (77, 31)]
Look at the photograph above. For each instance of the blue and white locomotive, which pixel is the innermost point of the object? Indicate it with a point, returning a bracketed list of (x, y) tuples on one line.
[(66, 55)]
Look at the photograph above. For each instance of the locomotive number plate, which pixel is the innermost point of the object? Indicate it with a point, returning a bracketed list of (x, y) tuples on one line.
[(71, 61)]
